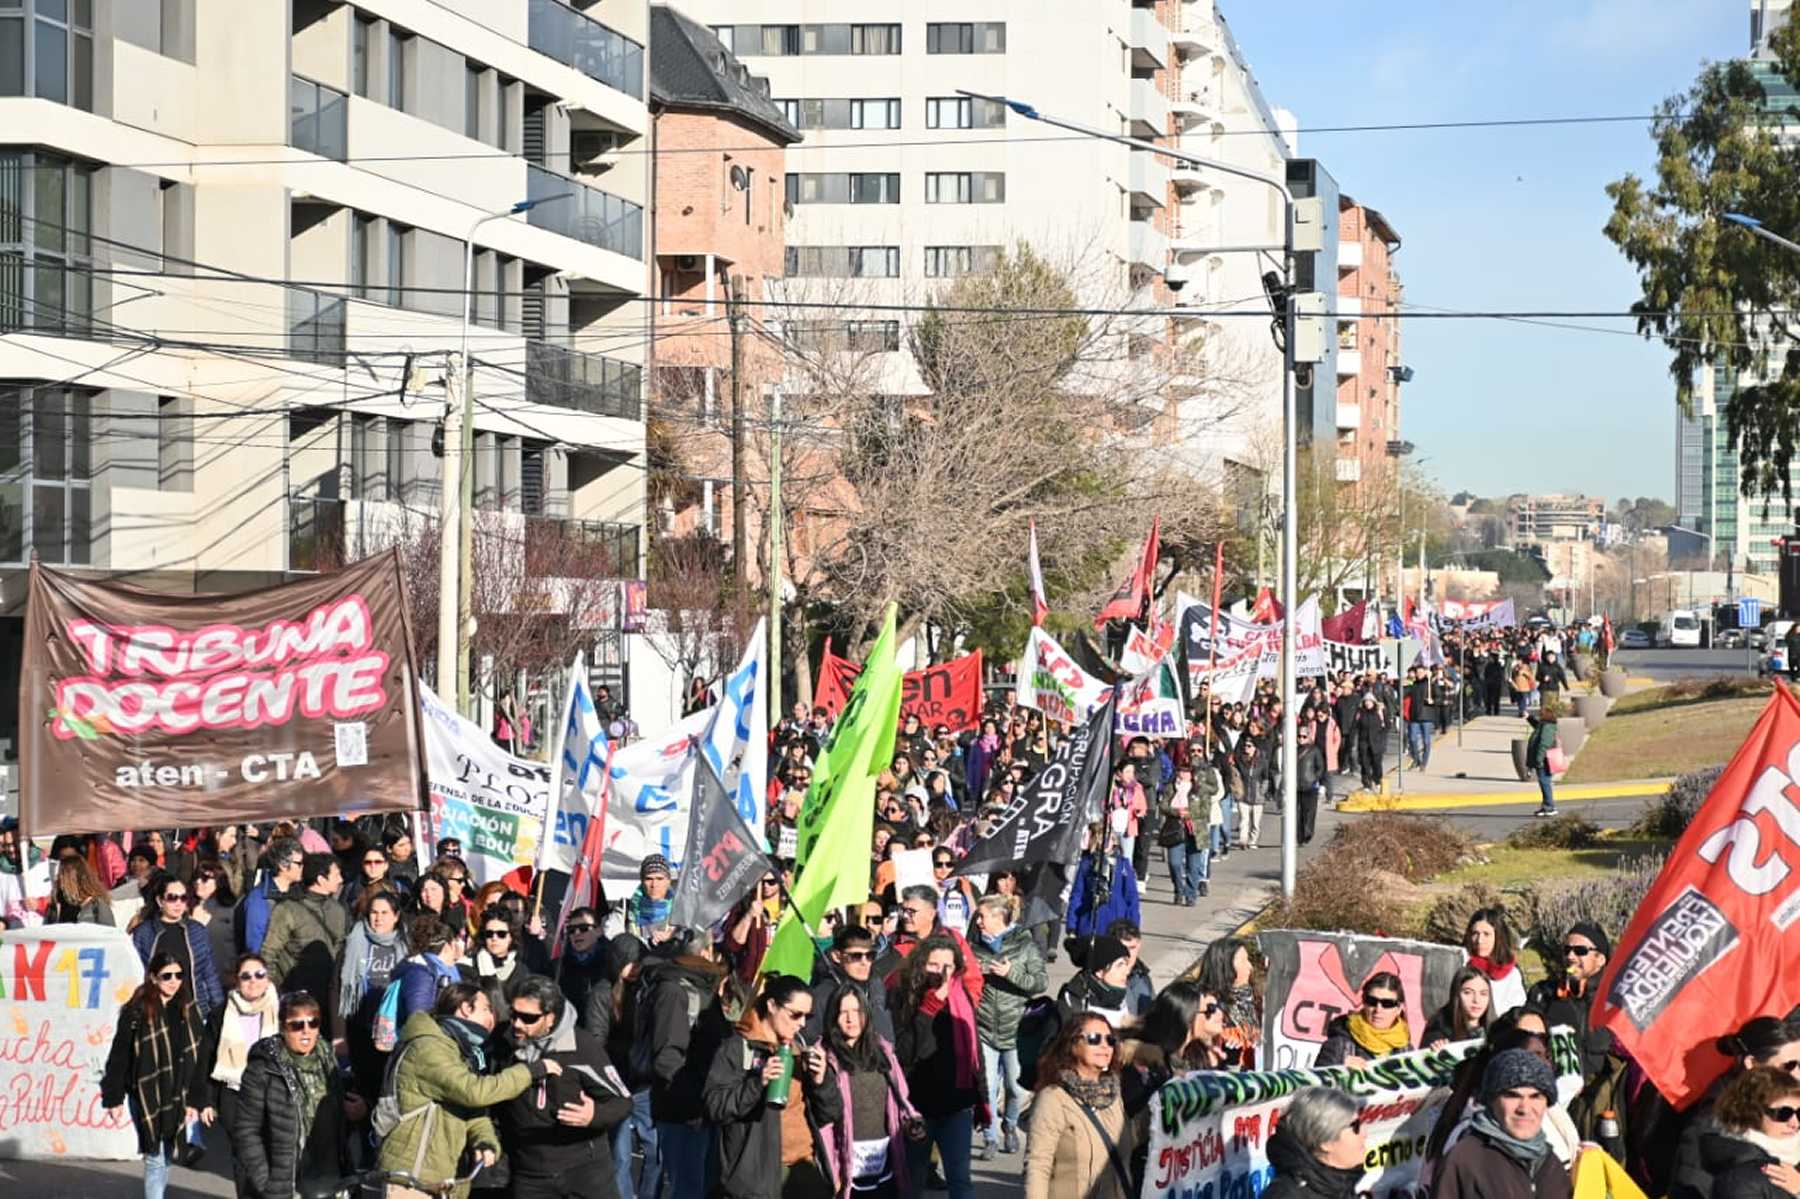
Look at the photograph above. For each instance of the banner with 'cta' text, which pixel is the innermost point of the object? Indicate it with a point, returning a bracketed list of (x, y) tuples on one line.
[(948, 693), (1210, 1130), (489, 800), (142, 709), (61, 988)]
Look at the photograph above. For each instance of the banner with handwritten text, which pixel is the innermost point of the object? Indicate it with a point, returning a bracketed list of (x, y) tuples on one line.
[(61, 988), (491, 801)]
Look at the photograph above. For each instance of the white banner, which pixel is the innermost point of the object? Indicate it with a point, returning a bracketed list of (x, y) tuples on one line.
[(1470, 614), (647, 806), (1234, 681), (1051, 682), (1150, 704), (64, 985), (491, 801), (1140, 653), (577, 765), (1209, 1130), (737, 740), (1309, 640)]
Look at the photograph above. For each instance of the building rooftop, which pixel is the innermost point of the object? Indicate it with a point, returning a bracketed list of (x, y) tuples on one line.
[(691, 68)]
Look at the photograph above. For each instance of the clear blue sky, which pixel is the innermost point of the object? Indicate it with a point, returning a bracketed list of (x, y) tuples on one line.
[(1504, 219)]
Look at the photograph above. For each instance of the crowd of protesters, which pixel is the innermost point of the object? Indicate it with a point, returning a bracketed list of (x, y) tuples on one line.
[(333, 998)]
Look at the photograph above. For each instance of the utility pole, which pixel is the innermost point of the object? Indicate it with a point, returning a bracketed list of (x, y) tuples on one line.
[(734, 317), (465, 597), (449, 495), (773, 576)]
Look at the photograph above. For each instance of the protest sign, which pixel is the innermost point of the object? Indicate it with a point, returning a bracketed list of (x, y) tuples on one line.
[(912, 868), (1150, 704), (1341, 658), (1051, 682), (1140, 652), (63, 985), (578, 761), (1469, 614), (1316, 977), (491, 801), (1210, 1130), (948, 693), (151, 710), (647, 803)]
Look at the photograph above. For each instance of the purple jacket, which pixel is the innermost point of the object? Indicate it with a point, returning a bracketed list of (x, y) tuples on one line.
[(837, 1138)]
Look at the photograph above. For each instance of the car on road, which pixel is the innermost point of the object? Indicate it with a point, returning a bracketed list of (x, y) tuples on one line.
[(1634, 639), (1758, 639), (1730, 639)]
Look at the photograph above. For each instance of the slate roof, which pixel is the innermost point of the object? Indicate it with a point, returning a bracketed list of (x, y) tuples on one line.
[(691, 68)]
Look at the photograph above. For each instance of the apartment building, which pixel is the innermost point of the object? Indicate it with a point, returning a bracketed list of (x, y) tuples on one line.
[(1540, 519), (231, 268), (1369, 366)]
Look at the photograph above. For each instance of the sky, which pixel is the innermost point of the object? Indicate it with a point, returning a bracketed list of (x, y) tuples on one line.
[(1504, 219)]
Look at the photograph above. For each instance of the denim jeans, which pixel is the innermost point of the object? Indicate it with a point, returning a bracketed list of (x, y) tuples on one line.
[(636, 1129), (1126, 845), (1418, 742), (1002, 1076), (1221, 839), (1188, 862), (156, 1173), (1547, 786), (951, 1135), (690, 1162)]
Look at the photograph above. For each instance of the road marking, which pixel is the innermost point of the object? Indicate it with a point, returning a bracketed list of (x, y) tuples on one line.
[(1412, 802)]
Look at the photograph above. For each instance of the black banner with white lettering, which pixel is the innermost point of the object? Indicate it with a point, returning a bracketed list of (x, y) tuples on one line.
[(722, 862)]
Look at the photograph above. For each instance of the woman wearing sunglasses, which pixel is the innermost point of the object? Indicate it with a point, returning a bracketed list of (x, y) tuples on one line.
[(1376, 1029), (246, 1017), (292, 1115), (1317, 1151), (1082, 1138), (164, 927), (1765, 1042), (1183, 1030), (154, 1068), (1755, 1152)]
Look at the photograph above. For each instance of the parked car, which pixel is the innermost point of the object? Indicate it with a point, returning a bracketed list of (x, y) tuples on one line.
[(1634, 639), (1758, 639), (1729, 639)]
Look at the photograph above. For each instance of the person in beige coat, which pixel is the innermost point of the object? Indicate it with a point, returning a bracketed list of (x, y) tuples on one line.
[(1081, 1139)]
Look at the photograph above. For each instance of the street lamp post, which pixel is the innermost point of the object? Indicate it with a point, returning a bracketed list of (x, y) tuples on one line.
[(1289, 452), (456, 620)]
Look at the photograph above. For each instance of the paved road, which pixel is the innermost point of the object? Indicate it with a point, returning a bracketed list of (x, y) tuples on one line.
[(1665, 665)]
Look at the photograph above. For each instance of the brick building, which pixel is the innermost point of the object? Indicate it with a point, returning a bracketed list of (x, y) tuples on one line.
[(1369, 367)]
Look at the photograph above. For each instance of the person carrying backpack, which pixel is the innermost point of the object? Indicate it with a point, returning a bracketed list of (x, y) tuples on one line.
[(680, 1025)]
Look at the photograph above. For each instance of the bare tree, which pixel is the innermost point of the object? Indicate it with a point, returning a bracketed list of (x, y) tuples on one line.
[(699, 618)]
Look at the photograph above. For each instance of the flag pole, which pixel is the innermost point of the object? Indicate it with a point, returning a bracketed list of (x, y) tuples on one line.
[(1213, 665), (554, 806)]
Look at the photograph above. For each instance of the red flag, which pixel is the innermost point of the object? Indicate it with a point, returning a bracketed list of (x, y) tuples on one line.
[(1127, 603), (1347, 626), (1040, 607), (1608, 642), (1716, 940), (1267, 609)]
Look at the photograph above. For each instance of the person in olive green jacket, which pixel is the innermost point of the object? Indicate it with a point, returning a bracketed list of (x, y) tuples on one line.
[(443, 1093), (1015, 973), (1537, 754)]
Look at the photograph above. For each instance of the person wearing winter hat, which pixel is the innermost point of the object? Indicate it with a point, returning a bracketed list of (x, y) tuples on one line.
[(647, 911), (1100, 987), (1567, 1000), (1507, 1154)]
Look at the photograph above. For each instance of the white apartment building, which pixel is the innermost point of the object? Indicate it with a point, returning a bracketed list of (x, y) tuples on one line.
[(231, 281)]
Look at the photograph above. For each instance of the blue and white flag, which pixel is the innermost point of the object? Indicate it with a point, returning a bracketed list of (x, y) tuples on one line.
[(579, 774), (736, 742)]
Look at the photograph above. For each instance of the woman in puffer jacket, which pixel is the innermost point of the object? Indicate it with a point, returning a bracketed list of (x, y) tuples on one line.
[(1755, 1154)]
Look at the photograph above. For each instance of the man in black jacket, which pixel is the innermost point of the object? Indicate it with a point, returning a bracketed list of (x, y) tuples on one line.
[(557, 1134), (853, 955), (681, 1025), (1569, 999)]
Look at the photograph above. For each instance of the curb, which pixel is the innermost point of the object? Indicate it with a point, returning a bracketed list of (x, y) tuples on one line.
[(1464, 799)]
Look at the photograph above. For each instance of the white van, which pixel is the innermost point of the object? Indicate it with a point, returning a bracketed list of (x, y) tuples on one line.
[(1680, 629)]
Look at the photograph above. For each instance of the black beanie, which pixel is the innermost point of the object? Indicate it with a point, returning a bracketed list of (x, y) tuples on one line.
[(1592, 932)]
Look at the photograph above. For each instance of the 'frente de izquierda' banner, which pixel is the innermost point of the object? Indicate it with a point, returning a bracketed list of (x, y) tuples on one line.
[(151, 710)]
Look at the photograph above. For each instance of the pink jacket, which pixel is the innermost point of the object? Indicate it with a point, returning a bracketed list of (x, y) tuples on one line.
[(838, 1137), (1133, 801)]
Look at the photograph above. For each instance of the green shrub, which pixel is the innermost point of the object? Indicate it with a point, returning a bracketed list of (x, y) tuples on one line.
[(1669, 814), (1567, 831), (1414, 847), (1333, 894), (1607, 902)]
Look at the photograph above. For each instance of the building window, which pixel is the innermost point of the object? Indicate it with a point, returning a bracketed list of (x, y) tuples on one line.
[(875, 114), (966, 37), (46, 461), (874, 188), (362, 40), (318, 119), (965, 187), (46, 215), (843, 262), (396, 457), (396, 65), (47, 50), (396, 264), (874, 39), (362, 250), (963, 112), (867, 187), (842, 113), (947, 262)]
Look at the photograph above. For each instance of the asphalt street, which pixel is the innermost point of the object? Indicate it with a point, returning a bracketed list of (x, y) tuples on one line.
[(1667, 665)]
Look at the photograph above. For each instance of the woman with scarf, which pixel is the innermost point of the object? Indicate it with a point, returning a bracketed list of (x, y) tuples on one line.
[(1183, 1030), (373, 951), (155, 1069), (499, 966), (1764, 1042), (1507, 1154), (1227, 971), (292, 1112), (936, 1041), (980, 758), (1489, 941), (866, 1147), (1376, 1029), (1317, 1151), (1013, 974), (1186, 821), (1755, 1152), (246, 1017), (769, 1142), (1466, 1015), (1082, 1138)]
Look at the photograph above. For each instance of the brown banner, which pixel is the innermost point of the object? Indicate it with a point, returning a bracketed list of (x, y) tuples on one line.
[(139, 709)]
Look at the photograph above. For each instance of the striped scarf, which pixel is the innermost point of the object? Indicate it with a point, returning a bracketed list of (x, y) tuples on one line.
[(168, 1047)]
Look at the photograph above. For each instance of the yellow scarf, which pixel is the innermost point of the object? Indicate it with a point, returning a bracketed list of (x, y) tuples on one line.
[(1397, 1038)]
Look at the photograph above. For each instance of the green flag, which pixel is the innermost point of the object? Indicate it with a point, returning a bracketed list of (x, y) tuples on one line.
[(837, 823)]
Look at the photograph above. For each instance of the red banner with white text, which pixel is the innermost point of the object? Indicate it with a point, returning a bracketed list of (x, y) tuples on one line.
[(948, 693), (1717, 939)]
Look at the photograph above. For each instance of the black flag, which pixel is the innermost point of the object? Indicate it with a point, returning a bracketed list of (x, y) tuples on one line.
[(723, 859), (1041, 830)]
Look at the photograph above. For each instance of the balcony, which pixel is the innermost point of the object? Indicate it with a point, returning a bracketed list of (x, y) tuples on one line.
[(1187, 177), (589, 215), (1194, 107), (1349, 363), (315, 534), (1350, 256), (597, 51), (1149, 109), (1349, 416), (1148, 177), (316, 326), (1149, 40), (1149, 246), (1191, 43), (1349, 470), (565, 378), (589, 549), (318, 119)]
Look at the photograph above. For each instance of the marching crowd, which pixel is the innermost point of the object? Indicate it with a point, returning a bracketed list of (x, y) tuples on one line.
[(327, 1000)]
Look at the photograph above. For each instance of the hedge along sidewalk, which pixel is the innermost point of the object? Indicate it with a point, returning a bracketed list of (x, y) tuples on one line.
[(1419, 801)]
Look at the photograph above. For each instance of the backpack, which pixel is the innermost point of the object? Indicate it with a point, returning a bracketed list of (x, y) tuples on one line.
[(387, 1115), (642, 1066), (386, 1033)]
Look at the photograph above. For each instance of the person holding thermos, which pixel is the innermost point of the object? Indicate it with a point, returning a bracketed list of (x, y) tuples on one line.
[(768, 1093)]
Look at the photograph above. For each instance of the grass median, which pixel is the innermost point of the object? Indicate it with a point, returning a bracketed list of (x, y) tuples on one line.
[(1671, 730)]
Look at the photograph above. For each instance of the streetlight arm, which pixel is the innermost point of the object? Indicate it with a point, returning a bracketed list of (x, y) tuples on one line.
[(1761, 230)]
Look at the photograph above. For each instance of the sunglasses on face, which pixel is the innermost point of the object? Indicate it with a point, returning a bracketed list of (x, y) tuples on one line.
[(1210, 1010), (175, 897), (520, 1017), (1383, 1002), (170, 976), (802, 1015), (1099, 1038), (942, 864), (858, 955), (1782, 1114), (300, 1023), (374, 861), (1579, 951), (577, 929), (496, 934), (245, 976)]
